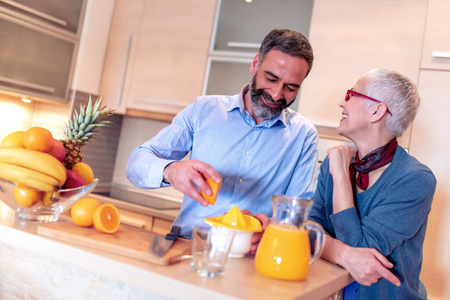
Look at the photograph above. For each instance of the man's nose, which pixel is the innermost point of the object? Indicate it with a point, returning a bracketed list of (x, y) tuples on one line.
[(277, 92)]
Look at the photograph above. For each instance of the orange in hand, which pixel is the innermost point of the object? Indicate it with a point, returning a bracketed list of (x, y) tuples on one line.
[(215, 188), (38, 138), (107, 218)]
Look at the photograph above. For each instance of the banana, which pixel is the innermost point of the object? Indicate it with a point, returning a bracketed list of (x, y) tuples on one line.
[(34, 160), (28, 177)]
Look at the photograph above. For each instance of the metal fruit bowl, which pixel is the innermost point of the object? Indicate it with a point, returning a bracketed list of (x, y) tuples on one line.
[(51, 205)]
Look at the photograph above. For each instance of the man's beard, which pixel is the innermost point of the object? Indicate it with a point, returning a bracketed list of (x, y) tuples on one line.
[(260, 109)]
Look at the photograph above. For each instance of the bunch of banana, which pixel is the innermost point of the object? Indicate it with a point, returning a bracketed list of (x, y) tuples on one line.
[(32, 168)]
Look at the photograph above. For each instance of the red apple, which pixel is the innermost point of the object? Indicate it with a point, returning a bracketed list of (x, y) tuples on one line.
[(73, 180), (58, 151)]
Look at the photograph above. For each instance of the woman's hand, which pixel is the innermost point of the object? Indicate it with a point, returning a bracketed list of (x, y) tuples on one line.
[(340, 158), (256, 237), (367, 266)]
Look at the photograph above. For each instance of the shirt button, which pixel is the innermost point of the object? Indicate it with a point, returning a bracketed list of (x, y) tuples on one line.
[(140, 182), (247, 153), (240, 180)]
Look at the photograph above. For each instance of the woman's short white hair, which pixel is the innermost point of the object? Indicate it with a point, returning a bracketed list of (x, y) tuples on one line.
[(398, 92)]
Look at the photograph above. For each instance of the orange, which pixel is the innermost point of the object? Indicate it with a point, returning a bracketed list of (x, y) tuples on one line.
[(215, 187), (26, 196), (85, 171), (107, 218), (83, 211), (13, 140), (38, 138)]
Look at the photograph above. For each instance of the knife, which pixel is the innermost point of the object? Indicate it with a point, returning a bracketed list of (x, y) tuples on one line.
[(161, 244)]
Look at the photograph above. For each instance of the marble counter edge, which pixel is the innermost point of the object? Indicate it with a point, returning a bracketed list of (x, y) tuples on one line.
[(109, 265)]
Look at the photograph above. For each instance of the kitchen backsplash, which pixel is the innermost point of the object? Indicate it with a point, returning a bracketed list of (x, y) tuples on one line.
[(101, 153)]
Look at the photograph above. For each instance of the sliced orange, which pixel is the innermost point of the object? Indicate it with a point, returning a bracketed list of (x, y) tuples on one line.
[(83, 211), (215, 188), (107, 218)]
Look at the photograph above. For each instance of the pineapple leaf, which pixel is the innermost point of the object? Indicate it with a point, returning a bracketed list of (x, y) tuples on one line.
[(97, 104), (89, 107)]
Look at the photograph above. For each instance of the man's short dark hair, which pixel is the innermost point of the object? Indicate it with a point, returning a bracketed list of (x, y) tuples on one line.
[(289, 42)]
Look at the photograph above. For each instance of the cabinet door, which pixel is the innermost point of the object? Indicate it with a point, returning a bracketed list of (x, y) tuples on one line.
[(56, 14), (33, 62), (436, 46), (430, 143), (351, 37), (169, 61), (122, 38)]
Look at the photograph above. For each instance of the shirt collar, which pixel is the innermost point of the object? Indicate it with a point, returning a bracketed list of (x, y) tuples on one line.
[(238, 103)]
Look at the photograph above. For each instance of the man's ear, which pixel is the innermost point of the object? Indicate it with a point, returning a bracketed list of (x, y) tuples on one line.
[(254, 64)]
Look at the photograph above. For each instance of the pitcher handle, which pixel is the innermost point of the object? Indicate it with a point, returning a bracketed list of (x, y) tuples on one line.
[(320, 239)]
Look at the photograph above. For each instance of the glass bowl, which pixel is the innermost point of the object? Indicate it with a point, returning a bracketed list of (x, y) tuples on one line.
[(47, 205)]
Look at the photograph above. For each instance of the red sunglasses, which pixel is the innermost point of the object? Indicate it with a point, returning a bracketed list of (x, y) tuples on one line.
[(354, 93)]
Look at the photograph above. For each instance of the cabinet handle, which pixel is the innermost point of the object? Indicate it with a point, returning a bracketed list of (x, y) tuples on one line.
[(25, 84), (35, 12), (440, 54), (243, 45), (124, 69)]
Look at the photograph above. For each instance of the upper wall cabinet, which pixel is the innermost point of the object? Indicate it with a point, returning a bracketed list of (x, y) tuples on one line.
[(240, 27), (123, 35), (436, 47), (61, 16), (159, 58), (38, 48), (351, 37)]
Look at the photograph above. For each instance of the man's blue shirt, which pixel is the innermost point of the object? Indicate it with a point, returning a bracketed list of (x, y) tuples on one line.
[(255, 161)]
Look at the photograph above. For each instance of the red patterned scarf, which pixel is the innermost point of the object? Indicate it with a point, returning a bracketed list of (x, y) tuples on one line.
[(372, 161)]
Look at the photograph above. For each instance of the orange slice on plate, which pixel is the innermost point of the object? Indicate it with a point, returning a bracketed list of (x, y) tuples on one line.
[(107, 218)]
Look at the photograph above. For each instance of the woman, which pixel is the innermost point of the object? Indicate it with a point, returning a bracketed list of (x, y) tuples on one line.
[(375, 206)]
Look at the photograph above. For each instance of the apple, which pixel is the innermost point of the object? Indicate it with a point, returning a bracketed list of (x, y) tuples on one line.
[(58, 151), (73, 180)]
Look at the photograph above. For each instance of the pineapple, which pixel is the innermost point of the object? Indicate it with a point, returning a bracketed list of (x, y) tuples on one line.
[(80, 130)]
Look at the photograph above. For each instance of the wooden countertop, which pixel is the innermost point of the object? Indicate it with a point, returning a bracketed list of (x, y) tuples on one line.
[(241, 281)]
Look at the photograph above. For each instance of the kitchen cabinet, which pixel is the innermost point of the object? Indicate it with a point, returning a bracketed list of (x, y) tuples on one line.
[(164, 68), (351, 37), (239, 29), (38, 48), (436, 45), (123, 35), (60, 16), (430, 141)]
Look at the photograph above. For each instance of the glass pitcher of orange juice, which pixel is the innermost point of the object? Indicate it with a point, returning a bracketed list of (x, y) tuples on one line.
[(284, 251)]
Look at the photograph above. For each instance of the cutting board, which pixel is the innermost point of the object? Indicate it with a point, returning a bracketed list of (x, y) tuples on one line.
[(127, 241)]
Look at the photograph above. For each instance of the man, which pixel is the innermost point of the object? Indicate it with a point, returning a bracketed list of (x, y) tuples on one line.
[(250, 141), (375, 209)]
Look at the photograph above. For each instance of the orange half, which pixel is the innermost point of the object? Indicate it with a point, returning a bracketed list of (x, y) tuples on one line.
[(215, 188), (107, 218)]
